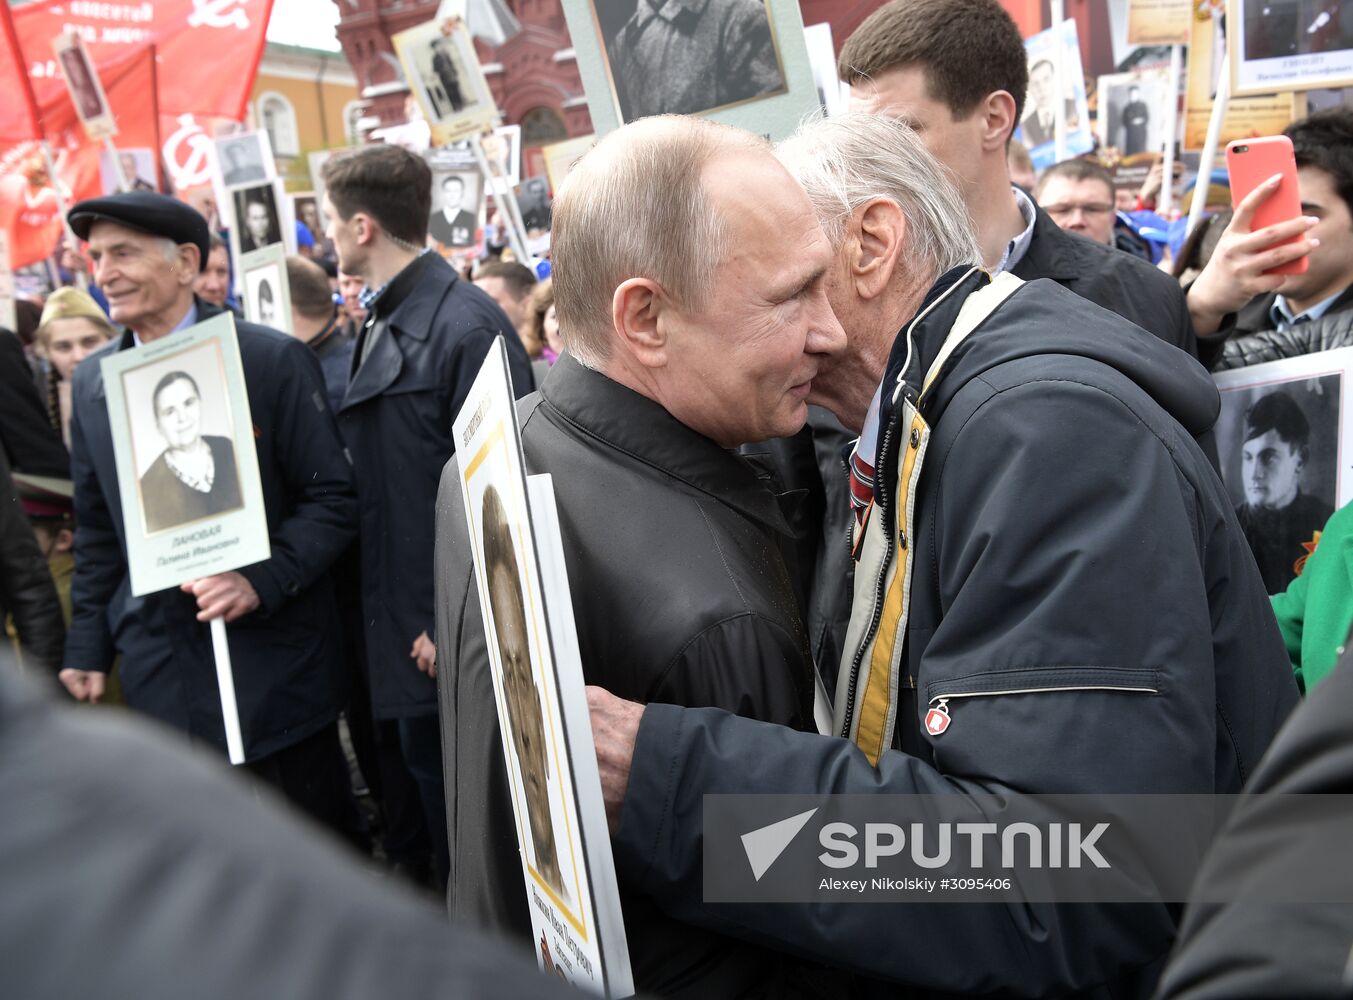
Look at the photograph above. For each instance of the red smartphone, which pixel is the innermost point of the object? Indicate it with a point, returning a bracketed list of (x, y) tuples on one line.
[(1250, 162)]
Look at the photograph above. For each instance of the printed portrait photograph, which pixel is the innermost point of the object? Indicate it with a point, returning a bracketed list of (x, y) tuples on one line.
[(457, 207), (1286, 45), (687, 58), (443, 77), (525, 711), (533, 198), (82, 80), (1279, 444), (242, 159), (178, 414), (1037, 125), (306, 208), (257, 221), (138, 170), (1132, 111)]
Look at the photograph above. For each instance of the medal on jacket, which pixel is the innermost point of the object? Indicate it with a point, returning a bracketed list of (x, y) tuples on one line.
[(937, 719)]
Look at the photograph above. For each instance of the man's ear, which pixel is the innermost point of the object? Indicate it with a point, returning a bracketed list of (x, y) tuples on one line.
[(874, 243), (364, 228), (187, 263), (996, 114), (639, 313)]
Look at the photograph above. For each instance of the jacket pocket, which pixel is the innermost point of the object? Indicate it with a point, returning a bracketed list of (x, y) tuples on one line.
[(942, 694)]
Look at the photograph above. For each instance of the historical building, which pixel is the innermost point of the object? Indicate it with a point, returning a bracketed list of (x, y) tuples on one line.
[(306, 100)]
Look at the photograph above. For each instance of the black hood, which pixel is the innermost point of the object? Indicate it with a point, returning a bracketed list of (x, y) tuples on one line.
[(1043, 318)]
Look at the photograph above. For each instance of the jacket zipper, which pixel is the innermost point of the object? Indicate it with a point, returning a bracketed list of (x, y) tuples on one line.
[(940, 702), (881, 493)]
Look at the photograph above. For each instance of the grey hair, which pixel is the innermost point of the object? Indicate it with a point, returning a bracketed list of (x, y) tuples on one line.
[(635, 207), (848, 160)]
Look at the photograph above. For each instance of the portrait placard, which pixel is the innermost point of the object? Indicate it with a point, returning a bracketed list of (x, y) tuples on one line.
[(457, 209), (1280, 439), (256, 219), (187, 472), (1133, 109), (444, 74), (832, 93), (84, 86), (561, 156), (306, 209), (1287, 45), (1246, 117), (726, 61), (245, 158), (1159, 22), (1037, 127), (539, 693), (267, 292), (138, 170)]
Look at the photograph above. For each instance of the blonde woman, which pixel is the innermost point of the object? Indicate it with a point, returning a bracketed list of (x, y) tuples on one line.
[(72, 327)]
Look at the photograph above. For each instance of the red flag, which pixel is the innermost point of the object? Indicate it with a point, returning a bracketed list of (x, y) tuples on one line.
[(28, 203), (208, 50), (19, 119)]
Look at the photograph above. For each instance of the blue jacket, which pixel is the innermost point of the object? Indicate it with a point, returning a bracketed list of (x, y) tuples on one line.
[(285, 655)]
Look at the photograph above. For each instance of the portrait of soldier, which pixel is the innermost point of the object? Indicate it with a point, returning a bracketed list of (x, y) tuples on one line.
[(195, 475), (688, 56), (1279, 519), (1039, 123), (444, 67), (455, 223), (526, 718)]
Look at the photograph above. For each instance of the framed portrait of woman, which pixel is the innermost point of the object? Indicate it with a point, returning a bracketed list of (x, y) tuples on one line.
[(192, 501)]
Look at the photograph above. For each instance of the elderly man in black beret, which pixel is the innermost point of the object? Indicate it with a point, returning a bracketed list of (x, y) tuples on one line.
[(147, 251)]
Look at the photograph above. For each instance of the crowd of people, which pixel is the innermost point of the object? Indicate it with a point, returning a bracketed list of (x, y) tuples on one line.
[(884, 465)]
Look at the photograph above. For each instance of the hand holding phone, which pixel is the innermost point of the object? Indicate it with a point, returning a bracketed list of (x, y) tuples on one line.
[(1251, 163)]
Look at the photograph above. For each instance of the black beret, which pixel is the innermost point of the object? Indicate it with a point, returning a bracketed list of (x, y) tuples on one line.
[(148, 212)]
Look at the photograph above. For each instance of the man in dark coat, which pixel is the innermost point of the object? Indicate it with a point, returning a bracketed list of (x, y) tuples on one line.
[(28, 439), (445, 68), (1052, 595), (27, 590), (673, 544), (425, 337), (147, 250)]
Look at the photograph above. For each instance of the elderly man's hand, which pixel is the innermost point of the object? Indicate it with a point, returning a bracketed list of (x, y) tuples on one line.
[(424, 654), (225, 595), (615, 726), (1236, 272), (84, 685)]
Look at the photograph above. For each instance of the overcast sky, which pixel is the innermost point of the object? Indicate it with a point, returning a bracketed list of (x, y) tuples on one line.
[(304, 22)]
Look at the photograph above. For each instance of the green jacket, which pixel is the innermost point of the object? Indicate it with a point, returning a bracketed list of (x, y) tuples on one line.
[(1315, 612)]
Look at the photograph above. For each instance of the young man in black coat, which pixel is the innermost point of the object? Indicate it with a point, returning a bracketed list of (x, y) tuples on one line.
[(425, 337), (147, 250)]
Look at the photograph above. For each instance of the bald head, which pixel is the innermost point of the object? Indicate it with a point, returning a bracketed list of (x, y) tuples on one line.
[(637, 205)]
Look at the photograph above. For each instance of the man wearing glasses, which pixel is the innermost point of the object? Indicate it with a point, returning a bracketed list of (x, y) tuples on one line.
[(1078, 196)]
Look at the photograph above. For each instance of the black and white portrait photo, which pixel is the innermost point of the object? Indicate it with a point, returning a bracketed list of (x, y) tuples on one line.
[(679, 57), (1132, 112), (1279, 446), (82, 82), (444, 74), (179, 416), (1282, 45), (533, 198), (266, 295), (257, 221), (242, 158), (456, 208), (137, 166)]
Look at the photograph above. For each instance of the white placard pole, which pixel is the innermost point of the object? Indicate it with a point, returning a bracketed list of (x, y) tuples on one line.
[(225, 680), (506, 199), (1209, 154), (1165, 202), (122, 183)]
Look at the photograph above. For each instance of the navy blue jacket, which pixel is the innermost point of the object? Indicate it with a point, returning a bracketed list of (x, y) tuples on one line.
[(396, 419), (285, 654)]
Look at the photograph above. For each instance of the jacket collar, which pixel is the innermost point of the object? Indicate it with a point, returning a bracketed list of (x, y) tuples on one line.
[(1254, 316), (621, 419), (1051, 254), (125, 341), (418, 293)]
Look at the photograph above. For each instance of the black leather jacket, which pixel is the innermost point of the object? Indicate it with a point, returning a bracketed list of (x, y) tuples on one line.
[(680, 595), (1324, 334)]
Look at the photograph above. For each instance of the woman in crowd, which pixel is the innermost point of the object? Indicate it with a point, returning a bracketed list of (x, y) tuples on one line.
[(72, 327)]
